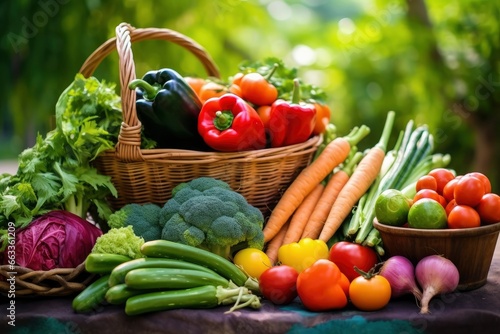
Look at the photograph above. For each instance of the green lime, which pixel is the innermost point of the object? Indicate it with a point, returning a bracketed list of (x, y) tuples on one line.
[(392, 207), (427, 213)]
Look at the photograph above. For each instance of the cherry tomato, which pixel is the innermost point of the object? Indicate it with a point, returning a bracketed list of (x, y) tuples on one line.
[(426, 182), (195, 83), (211, 89), (264, 114), (463, 216), (370, 293), (236, 79), (489, 208), (253, 261), (346, 255), (451, 204), (442, 176), (484, 179), (323, 115), (449, 189), (278, 284), (426, 193), (469, 190)]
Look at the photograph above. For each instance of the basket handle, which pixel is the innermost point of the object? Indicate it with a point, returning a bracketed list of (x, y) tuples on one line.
[(129, 139)]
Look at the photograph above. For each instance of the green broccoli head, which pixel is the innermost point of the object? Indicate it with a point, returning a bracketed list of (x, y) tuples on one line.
[(178, 230), (202, 210), (144, 219), (214, 217), (121, 241)]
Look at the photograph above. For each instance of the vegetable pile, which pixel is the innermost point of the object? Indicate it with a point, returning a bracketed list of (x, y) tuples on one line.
[(207, 246), (168, 275), (264, 104)]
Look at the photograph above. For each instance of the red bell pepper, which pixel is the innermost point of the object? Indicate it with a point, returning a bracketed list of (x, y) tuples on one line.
[(291, 122), (320, 287), (229, 124)]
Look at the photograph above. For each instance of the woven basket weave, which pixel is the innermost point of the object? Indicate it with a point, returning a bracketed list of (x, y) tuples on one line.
[(143, 176), (55, 282)]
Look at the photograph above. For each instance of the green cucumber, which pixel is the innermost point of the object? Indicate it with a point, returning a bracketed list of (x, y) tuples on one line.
[(118, 294), (175, 250), (206, 296), (92, 296), (118, 274), (172, 278), (97, 263)]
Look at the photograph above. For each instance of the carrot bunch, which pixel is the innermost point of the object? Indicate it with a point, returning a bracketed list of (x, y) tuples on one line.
[(325, 192)]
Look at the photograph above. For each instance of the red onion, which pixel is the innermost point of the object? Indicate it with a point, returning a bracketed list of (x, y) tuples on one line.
[(400, 273), (436, 275)]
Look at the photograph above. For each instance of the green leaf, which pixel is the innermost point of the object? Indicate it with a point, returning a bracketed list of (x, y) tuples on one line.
[(9, 204)]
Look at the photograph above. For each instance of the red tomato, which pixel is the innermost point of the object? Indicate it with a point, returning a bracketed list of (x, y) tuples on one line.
[(484, 179), (451, 204), (279, 284), (442, 176), (469, 190), (346, 255), (449, 189), (426, 182), (489, 208), (463, 216), (426, 193)]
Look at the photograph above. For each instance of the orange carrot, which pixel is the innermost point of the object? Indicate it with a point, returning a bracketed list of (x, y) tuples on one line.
[(333, 154), (275, 243), (360, 181), (301, 216), (332, 189)]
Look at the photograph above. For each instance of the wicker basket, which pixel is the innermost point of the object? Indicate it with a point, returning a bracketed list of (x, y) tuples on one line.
[(142, 176), (55, 282)]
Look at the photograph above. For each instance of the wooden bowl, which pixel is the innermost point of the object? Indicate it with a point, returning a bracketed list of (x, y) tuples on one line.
[(470, 249)]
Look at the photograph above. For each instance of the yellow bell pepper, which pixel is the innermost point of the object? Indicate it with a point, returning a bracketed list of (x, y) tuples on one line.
[(301, 255)]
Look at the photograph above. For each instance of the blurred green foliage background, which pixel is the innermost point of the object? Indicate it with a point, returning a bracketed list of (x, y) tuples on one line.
[(436, 62)]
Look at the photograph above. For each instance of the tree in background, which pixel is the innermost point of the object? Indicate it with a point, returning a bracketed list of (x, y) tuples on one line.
[(435, 62)]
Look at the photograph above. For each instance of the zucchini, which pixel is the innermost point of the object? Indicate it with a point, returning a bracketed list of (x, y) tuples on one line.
[(175, 250), (92, 296), (118, 274), (97, 263), (206, 296), (118, 294), (171, 278)]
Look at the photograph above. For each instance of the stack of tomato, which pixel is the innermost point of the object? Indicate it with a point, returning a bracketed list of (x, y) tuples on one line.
[(265, 104), (322, 278), (467, 198)]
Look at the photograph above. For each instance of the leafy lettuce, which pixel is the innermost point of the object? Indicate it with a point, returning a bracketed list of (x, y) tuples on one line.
[(56, 173)]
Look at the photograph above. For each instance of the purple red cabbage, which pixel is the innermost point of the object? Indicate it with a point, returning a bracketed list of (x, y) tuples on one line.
[(58, 239)]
